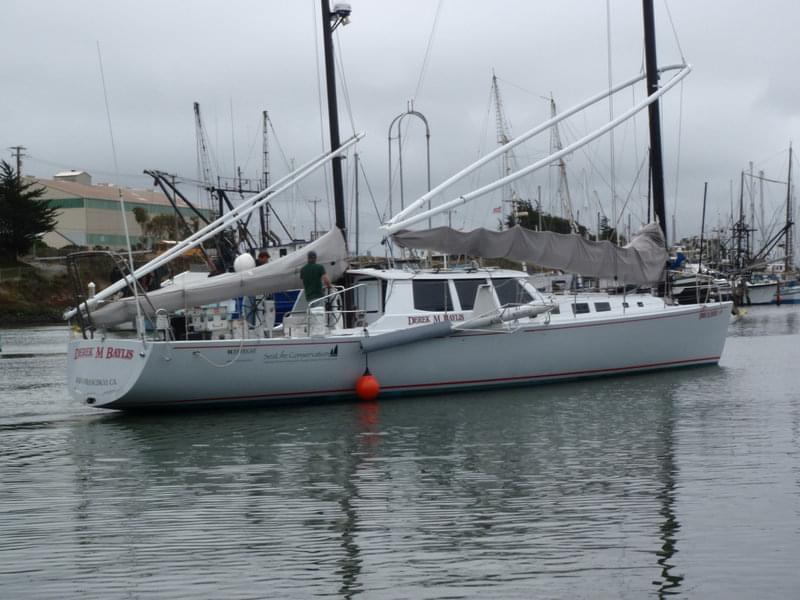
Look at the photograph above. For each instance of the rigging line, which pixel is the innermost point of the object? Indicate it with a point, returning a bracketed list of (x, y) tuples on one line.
[(522, 89), (428, 50), (345, 88), (233, 141), (678, 155), (252, 148), (320, 103), (276, 139), (381, 218), (630, 193), (134, 282), (611, 117), (674, 30)]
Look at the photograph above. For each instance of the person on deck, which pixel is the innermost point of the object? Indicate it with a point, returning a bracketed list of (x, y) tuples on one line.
[(314, 278), (263, 258)]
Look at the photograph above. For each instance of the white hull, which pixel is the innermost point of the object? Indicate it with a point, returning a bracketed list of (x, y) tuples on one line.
[(761, 293), (131, 374)]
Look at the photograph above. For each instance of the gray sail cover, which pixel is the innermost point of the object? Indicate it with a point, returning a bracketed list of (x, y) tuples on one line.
[(275, 276), (641, 261)]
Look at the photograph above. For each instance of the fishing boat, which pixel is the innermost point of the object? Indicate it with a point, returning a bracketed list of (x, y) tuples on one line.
[(760, 290), (393, 330)]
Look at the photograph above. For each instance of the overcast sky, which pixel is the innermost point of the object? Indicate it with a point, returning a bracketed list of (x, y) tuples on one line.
[(238, 58)]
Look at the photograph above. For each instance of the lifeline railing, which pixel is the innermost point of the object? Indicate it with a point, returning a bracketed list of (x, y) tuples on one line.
[(327, 301)]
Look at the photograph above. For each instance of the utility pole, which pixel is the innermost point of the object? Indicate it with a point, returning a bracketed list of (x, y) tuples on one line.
[(18, 154)]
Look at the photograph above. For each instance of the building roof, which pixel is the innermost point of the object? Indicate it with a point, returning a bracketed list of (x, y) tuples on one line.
[(70, 173), (104, 192)]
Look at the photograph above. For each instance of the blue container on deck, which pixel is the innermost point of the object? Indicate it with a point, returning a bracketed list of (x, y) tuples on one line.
[(284, 301)]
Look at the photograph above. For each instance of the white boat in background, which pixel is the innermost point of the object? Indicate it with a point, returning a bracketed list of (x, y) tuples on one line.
[(761, 292), (404, 331)]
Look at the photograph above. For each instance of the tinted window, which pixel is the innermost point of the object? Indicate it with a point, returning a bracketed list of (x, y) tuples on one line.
[(433, 295), (580, 308), (602, 306), (466, 289), (509, 291)]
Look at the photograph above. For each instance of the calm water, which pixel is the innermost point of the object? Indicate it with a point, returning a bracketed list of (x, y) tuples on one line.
[(684, 483)]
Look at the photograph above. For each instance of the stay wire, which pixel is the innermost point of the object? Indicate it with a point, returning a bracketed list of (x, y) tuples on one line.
[(134, 282), (674, 31)]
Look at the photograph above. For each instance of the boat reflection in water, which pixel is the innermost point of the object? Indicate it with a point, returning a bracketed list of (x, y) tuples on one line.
[(520, 492)]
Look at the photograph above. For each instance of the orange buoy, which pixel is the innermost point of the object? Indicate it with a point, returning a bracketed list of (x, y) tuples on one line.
[(367, 387)]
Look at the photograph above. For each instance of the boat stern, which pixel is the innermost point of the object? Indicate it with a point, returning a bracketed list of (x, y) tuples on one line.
[(100, 372)]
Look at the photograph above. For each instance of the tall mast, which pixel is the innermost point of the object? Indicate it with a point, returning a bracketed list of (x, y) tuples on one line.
[(656, 161), (263, 212), (503, 137), (563, 185), (789, 235), (331, 20)]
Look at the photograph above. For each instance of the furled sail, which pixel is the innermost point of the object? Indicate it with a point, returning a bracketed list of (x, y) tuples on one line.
[(641, 261), (277, 275)]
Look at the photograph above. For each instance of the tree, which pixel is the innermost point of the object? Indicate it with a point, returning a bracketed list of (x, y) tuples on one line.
[(531, 218), (162, 227), (609, 233), (24, 216)]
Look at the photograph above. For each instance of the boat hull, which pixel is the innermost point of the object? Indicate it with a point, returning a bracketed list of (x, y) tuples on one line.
[(761, 293), (130, 374)]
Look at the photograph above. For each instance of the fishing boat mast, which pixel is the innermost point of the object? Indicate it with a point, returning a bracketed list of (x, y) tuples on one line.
[(656, 161), (789, 235), (331, 19)]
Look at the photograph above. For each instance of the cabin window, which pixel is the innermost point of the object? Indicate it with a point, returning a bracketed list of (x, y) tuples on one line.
[(510, 291), (432, 295), (625, 305), (466, 289), (640, 304), (602, 306), (556, 310), (580, 308)]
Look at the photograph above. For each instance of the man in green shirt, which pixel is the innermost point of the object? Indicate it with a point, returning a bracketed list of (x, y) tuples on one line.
[(314, 277)]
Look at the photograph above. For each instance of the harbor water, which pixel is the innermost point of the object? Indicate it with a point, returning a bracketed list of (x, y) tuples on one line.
[(682, 483)]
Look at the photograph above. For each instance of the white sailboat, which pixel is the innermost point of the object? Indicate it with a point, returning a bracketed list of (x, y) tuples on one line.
[(406, 331)]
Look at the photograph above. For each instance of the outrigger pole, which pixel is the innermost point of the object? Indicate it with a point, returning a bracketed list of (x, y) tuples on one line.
[(221, 223), (403, 219)]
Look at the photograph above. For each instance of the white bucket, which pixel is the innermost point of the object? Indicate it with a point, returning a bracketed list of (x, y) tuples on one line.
[(316, 322)]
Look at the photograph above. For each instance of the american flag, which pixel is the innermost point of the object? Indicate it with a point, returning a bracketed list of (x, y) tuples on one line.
[(497, 210)]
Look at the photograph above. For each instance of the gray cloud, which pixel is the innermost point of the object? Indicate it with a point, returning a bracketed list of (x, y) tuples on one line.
[(246, 56)]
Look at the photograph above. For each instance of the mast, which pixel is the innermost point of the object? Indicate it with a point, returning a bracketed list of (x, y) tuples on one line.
[(656, 161), (789, 235), (263, 212), (331, 20), (503, 138), (563, 185)]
